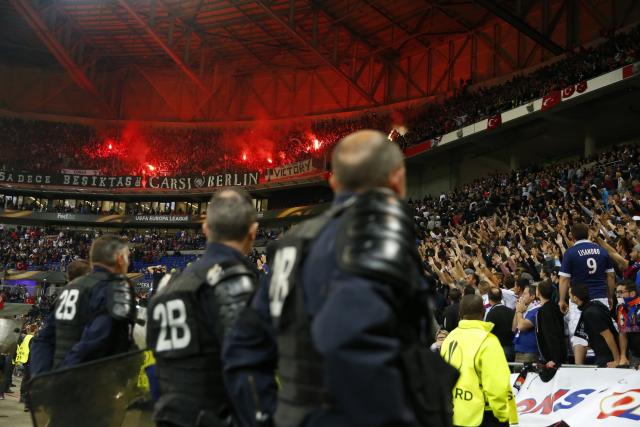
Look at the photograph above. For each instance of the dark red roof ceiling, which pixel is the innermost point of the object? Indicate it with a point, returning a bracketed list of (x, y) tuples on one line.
[(243, 31)]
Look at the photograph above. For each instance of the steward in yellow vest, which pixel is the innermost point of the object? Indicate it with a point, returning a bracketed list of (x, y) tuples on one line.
[(482, 395), (22, 352)]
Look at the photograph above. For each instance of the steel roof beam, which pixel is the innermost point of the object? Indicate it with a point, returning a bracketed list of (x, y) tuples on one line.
[(77, 71), (386, 15), (520, 25), (289, 49), (164, 46), (369, 44), (311, 46)]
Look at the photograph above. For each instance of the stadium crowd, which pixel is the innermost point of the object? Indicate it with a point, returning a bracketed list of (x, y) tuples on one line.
[(47, 147), (471, 104), (51, 248), (502, 234), (33, 248), (497, 236)]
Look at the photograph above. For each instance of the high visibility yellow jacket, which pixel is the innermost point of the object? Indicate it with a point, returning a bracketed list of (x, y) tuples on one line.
[(143, 380), (22, 352), (484, 383)]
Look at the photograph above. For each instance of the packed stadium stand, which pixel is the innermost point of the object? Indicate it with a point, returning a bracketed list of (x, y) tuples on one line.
[(134, 150), (517, 120)]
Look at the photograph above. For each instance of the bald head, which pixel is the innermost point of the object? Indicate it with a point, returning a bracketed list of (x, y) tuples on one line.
[(471, 307), (367, 159)]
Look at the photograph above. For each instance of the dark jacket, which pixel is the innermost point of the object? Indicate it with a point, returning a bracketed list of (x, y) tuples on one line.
[(550, 333), (451, 316), (190, 379), (102, 336), (502, 317), (340, 335)]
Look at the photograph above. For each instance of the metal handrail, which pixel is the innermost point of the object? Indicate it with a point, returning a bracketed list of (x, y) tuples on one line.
[(520, 365)]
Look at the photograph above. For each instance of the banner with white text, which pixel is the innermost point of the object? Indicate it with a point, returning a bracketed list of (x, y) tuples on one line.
[(580, 397), (297, 169)]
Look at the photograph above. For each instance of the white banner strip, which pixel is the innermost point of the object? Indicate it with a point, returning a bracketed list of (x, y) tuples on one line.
[(581, 397)]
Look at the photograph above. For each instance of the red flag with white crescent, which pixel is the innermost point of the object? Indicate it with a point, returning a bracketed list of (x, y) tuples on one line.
[(627, 71), (551, 99), (582, 87), (494, 121), (568, 91)]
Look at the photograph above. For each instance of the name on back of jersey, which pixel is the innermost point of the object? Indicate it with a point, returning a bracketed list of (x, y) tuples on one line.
[(589, 251)]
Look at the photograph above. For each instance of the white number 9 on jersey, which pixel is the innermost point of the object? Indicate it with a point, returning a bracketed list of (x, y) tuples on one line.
[(593, 265)]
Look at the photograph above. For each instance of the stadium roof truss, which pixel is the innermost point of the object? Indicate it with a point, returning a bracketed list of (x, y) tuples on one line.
[(247, 59)]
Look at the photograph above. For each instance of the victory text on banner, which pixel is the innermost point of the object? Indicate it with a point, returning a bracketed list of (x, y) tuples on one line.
[(580, 397), (292, 169)]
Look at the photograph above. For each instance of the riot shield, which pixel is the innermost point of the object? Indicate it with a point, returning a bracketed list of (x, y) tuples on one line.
[(110, 392)]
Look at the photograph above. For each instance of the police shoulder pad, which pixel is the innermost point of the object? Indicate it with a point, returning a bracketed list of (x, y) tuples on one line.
[(376, 238), (120, 299), (219, 273)]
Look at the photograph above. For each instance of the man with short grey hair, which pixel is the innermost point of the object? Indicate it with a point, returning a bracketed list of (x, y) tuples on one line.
[(191, 313), (231, 217)]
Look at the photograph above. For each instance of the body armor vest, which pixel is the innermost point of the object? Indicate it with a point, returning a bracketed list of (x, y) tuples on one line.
[(72, 313), (300, 366), (188, 365), (375, 239)]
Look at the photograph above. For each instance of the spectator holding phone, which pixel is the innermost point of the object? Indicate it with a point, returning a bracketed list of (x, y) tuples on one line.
[(524, 323)]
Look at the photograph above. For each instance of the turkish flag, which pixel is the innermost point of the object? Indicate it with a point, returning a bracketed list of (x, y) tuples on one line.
[(630, 70), (494, 122), (568, 91), (582, 87), (627, 71), (551, 99)]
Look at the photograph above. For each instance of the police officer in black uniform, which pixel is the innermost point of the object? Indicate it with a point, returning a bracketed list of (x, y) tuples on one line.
[(94, 314), (191, 312), (343, 317)]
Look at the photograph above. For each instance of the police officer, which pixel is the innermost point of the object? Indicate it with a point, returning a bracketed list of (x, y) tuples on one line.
[(94, 313), (340, 314), (482, 396), (43, 344), (191, 312)]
